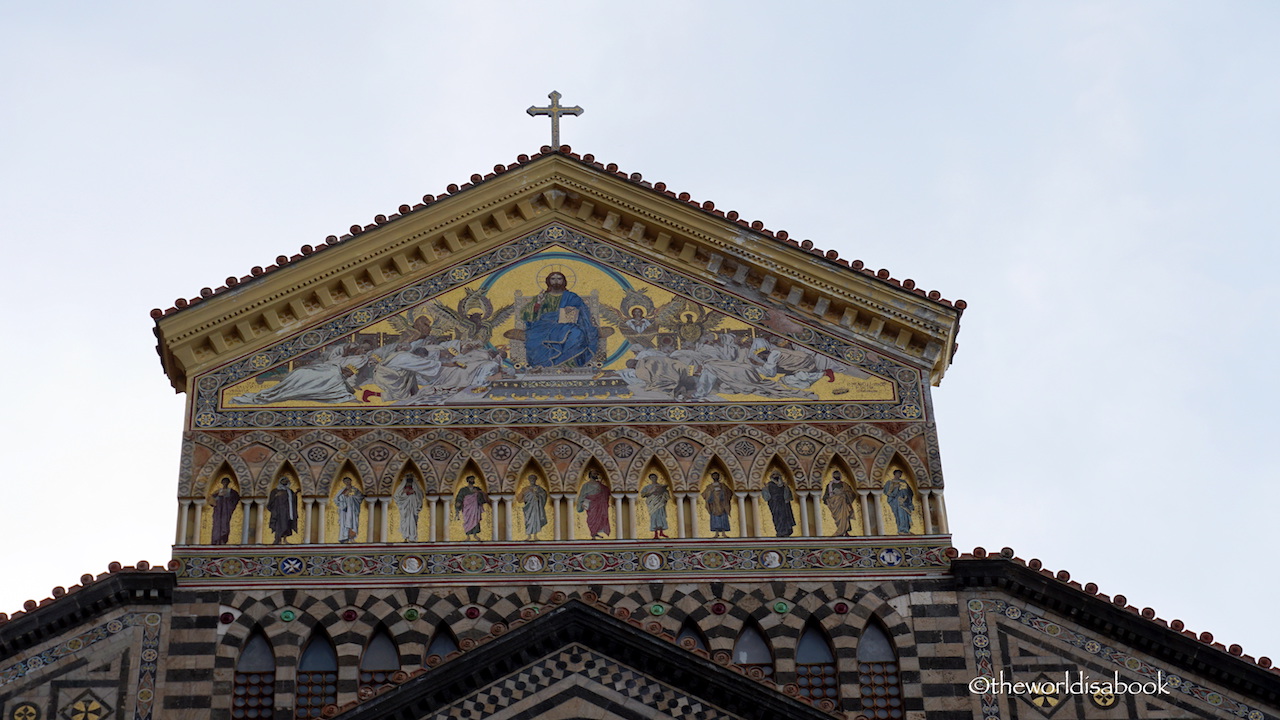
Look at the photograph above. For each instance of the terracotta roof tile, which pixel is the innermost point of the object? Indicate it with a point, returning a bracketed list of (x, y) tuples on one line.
[(1121, 601)]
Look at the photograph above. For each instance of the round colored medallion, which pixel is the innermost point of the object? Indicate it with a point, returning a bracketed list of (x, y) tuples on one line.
[(288, 615)]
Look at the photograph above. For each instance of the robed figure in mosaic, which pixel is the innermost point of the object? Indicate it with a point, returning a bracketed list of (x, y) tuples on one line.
[(409, 502), (225, 502), (901, 499), (469, 505), (778, 496), (558, 329), (839, 498), (719, 502), (282, 506), (349, 501), (655, 496), (593, 499), (534, 497)]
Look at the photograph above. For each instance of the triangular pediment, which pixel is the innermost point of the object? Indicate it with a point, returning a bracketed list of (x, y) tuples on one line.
[(624, 339), (576, 661), (794, 290)]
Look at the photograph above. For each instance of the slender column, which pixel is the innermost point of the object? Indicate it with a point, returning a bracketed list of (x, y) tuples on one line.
[(244, 521), (184, 507), (742, 513), (815, 502), (433, 529), (926, 511), (680, 517), (617, 515), (385, 504), (804, 512), (757, 521), (259, 513), (555, 517), (633, 515), (867, 529), (510, 502), (876, 518), (941, 507)]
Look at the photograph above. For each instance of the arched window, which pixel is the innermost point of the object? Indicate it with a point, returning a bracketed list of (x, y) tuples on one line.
[(380, 659), (442, 642), (881, 684), (752, 649), (317, 676), (254, 690), (816, 665), (690, 631)]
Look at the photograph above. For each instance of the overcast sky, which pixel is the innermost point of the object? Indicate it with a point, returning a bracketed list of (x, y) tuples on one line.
[(1098, 181)]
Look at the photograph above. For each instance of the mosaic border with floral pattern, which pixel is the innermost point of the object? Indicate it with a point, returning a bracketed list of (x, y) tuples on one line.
[(495, 563), (207, 413)]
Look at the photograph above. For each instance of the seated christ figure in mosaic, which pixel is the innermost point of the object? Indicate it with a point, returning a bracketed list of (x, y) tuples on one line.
[(558, 329)]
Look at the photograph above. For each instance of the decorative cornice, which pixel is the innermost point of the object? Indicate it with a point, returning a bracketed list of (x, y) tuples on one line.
[(297, 292)]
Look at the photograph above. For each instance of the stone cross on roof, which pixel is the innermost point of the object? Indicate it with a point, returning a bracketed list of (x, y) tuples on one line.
[(554, 111)]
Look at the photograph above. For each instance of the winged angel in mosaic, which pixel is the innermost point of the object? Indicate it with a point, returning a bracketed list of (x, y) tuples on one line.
[(474, 319)]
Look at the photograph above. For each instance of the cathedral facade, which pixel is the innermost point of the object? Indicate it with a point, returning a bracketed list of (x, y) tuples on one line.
[(563, 443)]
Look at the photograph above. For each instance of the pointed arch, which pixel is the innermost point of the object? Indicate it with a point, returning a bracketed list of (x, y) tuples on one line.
[(380, 659), (752, 650), (392, 466), (879, 673), (346, 462), (443, 642), (253, 691), (816, 672), (317, 683), (691, 636)]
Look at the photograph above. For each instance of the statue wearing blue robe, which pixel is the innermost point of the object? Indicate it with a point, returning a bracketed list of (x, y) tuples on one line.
[(558, 327)]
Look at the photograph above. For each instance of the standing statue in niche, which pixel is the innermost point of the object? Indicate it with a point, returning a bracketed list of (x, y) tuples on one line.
[(778, 496), (593, 499), (349, 501), (282, 505), (901, 499), (558, 328), (225, 501), (839, 497), (656, 495), (534, 497), (468, 505), (719, 502), (409, 502)]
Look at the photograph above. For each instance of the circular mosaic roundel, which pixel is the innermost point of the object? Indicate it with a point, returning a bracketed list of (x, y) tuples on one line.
[(25, 711), (379, 453), (502, 452), (624, 450), (563, 450), (317, 454), (683, 449), (805, 447), (743, 448), (438, 453)]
